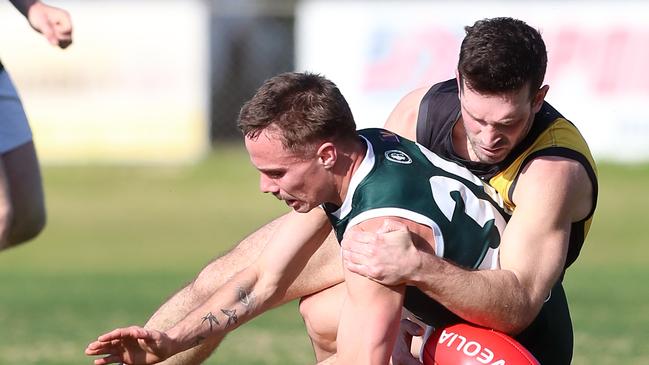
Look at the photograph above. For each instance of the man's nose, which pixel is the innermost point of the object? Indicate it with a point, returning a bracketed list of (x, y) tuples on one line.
[(491, 136), (267, 185)]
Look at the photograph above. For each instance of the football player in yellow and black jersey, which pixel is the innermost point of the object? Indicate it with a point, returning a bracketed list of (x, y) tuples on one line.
[(494, 120), (301, 136)]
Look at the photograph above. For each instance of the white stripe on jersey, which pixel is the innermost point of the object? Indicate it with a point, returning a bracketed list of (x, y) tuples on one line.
[(403, 213), (463, 172)]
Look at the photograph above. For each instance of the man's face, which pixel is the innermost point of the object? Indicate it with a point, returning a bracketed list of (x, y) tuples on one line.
[(300, 181), (494, 124)]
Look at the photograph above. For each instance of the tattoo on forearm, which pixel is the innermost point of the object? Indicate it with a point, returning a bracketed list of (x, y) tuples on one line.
[(232, 316), (246, 298), (211, 319)]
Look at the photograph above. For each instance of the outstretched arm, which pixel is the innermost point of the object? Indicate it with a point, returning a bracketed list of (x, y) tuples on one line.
[(321, 271), (53, 23), (249, 293)]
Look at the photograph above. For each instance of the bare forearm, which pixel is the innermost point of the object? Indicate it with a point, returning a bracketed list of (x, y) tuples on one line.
[(180, 304), (239, 300), (212, 277), (491, 298), (190, 297), (255, 289)]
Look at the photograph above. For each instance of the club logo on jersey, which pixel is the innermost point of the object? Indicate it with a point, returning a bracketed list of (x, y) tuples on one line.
[(398, 157), (387, 136)]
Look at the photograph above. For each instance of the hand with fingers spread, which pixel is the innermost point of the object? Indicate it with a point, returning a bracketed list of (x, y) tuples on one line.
[(401, 355), (132, 345), (387, 256)]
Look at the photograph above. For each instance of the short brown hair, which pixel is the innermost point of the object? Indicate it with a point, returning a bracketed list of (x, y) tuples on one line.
[(304, 108), (502, 55)]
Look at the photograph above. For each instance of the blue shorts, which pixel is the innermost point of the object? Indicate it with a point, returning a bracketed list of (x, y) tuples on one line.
[(14, 129)]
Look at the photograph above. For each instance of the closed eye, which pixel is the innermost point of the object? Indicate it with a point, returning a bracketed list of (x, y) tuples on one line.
[(274, 174)]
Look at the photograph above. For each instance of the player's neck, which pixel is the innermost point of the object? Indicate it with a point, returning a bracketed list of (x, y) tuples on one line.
[(354, 157)]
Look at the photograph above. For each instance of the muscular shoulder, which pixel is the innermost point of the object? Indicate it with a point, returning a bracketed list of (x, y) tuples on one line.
[(403, 118), (560, 183)]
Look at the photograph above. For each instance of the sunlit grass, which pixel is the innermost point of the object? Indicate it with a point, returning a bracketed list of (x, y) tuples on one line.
[(120, 240)]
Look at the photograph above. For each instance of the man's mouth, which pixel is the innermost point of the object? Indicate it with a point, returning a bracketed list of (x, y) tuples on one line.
[(492, 150)]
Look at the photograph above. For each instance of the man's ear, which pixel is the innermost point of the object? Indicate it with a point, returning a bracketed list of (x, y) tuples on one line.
[(458, 80), (327, 155), (537, 101)]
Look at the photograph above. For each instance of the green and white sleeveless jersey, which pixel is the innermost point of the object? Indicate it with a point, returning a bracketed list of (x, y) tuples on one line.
[(400, 178)]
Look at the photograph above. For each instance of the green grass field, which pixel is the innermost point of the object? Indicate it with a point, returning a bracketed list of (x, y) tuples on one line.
[(120, 240)]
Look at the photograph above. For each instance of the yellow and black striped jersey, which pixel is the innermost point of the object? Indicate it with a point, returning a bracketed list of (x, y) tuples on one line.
[(550, 336), (551, 135)]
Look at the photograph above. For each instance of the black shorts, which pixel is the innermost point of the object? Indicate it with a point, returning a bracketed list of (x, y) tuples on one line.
[(549, 338)]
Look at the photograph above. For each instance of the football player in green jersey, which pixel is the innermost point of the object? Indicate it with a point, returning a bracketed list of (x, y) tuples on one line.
[(301, 136), (539, 163)]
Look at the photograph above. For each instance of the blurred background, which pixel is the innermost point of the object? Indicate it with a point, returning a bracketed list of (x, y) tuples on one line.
[(146, 179)]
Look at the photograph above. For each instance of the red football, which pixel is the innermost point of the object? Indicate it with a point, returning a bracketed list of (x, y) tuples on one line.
[(464, 344)]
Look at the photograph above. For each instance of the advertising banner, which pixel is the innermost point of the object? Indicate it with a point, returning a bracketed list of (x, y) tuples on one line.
[(377, 51)]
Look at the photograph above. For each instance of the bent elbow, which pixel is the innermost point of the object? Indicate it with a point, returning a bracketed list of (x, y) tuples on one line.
[(516, 327), (520, 319)]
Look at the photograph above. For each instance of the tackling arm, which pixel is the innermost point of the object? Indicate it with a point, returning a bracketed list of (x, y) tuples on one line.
[(551, 193)]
